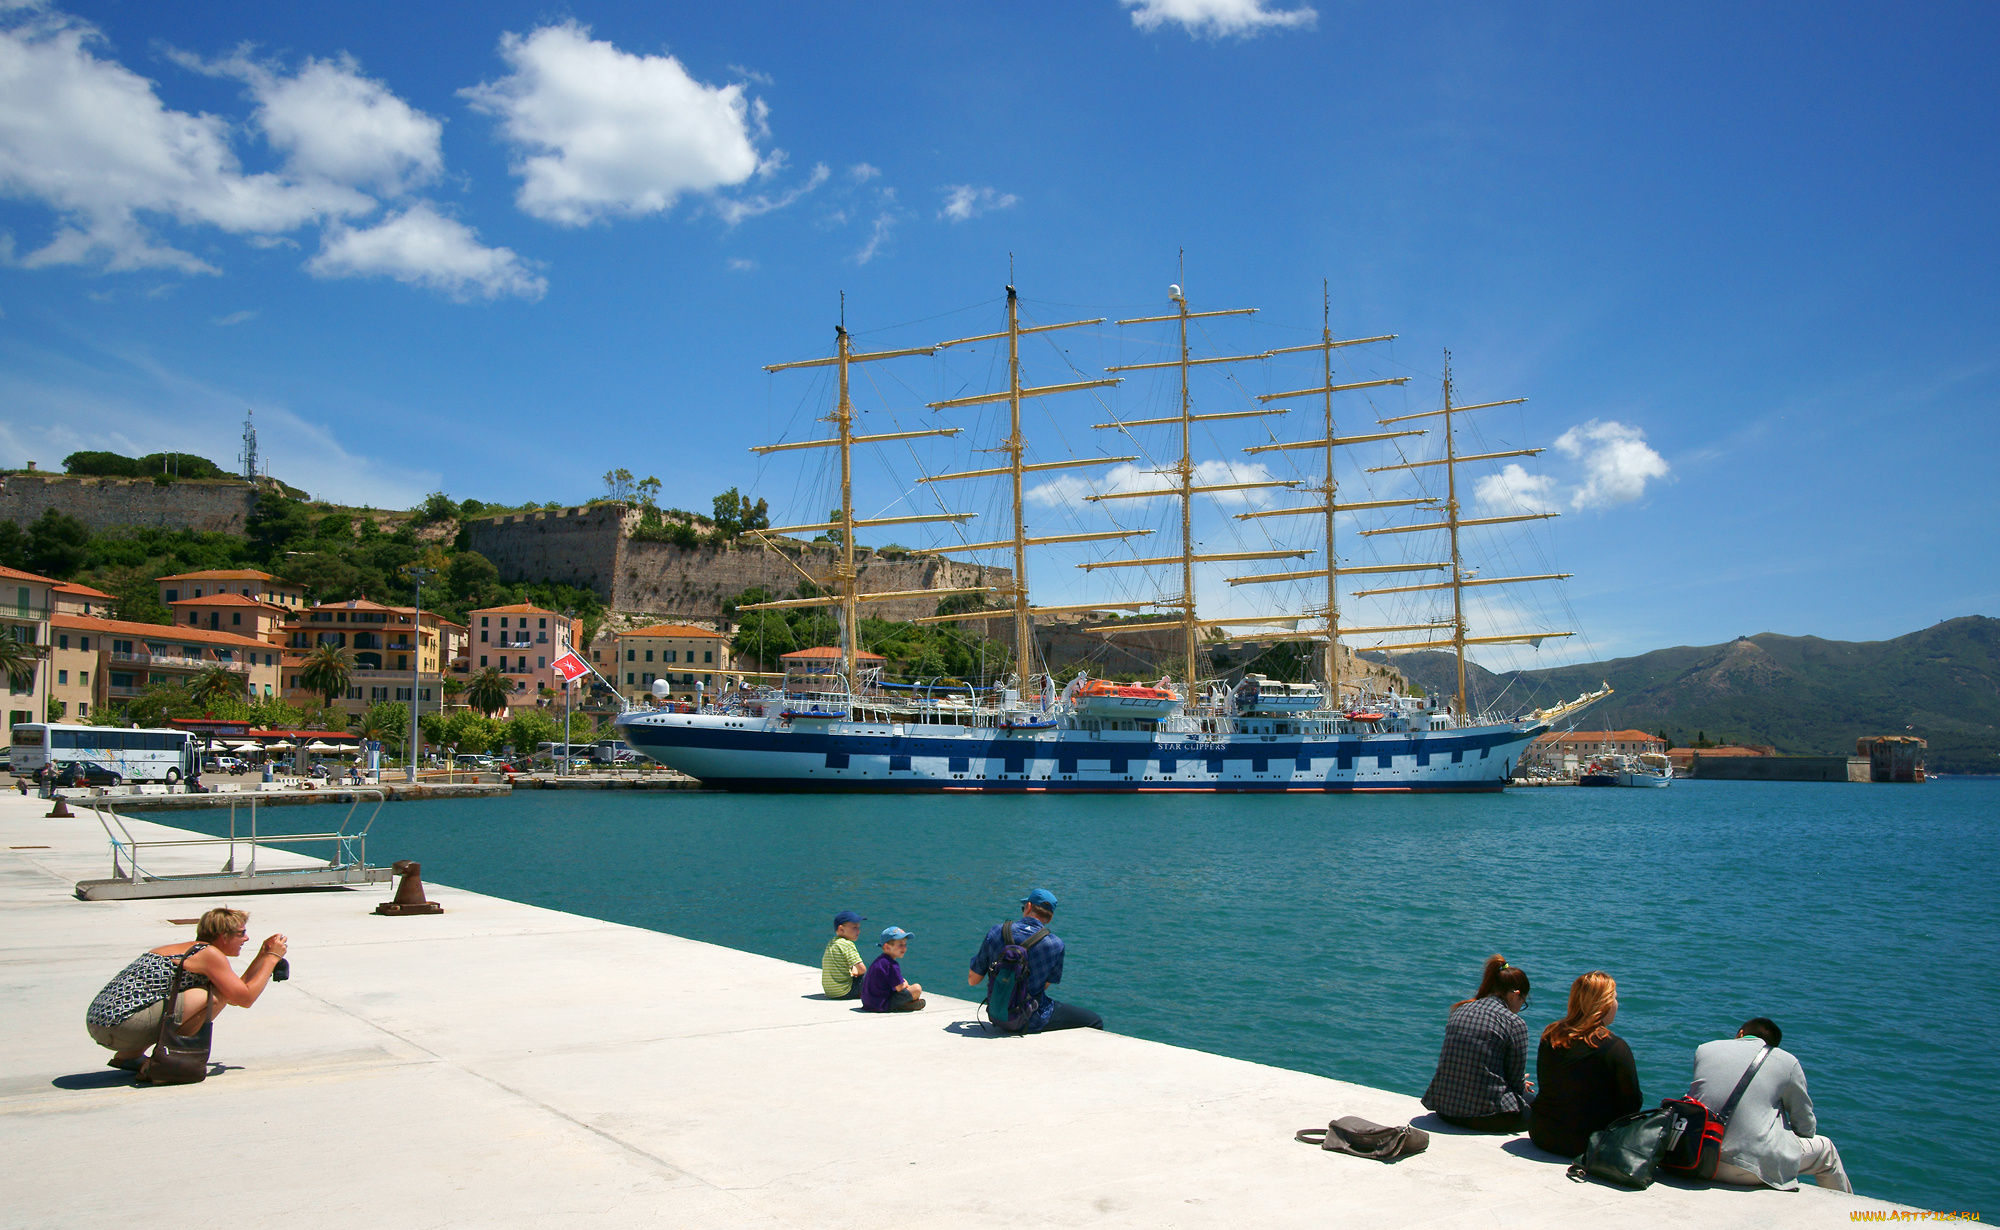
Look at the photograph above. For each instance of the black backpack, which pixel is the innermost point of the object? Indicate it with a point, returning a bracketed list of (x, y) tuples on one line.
[(1007, 981)]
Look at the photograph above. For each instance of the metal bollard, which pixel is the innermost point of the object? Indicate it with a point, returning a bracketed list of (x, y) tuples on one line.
[(409, 893)]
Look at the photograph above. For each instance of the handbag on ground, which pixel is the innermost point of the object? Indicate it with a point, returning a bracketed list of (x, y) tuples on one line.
[(1694, 1145), (1626, 1151)]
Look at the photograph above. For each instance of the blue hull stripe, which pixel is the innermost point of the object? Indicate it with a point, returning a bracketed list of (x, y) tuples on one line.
[(810, 743)]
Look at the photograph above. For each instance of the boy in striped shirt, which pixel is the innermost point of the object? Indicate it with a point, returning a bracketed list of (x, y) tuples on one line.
[(840, 967)]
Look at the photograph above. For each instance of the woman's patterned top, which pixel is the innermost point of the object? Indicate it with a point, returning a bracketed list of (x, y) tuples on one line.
[(140, 985)]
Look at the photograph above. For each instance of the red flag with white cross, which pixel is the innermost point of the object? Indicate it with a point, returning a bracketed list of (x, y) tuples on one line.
[(570, 667)]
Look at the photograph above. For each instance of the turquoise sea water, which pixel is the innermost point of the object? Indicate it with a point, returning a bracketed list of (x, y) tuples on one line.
[(1331, 934)]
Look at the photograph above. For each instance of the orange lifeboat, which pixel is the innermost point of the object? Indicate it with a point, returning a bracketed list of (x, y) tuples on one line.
[(1103, 698)]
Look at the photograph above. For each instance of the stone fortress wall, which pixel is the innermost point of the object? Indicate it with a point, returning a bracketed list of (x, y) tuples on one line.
[(591, 547), (205, 505)]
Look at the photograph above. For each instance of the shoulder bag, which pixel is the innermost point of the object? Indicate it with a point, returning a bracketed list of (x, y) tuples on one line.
[(1626, 1151), (179, 1059), (1694, 1143), (1364, 1139)]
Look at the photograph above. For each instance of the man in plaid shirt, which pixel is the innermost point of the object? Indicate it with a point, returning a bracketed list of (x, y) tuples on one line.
[(1045, 965)]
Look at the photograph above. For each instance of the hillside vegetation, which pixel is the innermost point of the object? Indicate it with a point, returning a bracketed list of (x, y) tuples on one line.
[(1800, 694)]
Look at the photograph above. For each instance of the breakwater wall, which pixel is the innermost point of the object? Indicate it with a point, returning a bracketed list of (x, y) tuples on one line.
[(1778, 768)]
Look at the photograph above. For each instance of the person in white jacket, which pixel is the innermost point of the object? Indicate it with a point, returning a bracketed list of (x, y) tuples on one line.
[(1772, 1139)]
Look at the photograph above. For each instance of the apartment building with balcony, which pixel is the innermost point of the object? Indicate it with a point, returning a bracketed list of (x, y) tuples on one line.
[(681, 654), (521, 640), (25, 599), (232, 613), (243, 582), (394, 651), (96, 661)]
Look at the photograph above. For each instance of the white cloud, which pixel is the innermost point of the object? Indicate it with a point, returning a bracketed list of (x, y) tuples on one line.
[(91, 139), (425, 248), (602, 132), (1514, 490), (334, 124), (884, 223), (861, 172), (237, 318), (1069, 491), (733, 211), (963, 201), (1617, 463), (749, 74), (738, 264), (1219, 18)]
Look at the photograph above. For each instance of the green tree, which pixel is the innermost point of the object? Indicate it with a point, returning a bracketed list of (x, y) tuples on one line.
[(490, 691), (437, 506), (13, 546), (58, 544), (469, 732), (326, 671), (214, 685), (388, 721), (275, 524), (434, 727), (18, 661), (528, 728), (582, 728), (160, 704)]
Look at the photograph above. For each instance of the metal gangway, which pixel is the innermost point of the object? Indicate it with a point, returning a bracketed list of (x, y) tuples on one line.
[(346, 865)]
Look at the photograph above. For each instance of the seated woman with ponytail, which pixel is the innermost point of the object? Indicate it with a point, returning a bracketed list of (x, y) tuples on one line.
[(1586, 1072), (1482, 1074)]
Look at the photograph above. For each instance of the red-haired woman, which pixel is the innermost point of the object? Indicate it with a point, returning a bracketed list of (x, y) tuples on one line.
[(1482, 1074), (1586, 1071)]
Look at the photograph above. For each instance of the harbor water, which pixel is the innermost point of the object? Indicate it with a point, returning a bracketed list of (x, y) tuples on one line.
[(1332, 933)]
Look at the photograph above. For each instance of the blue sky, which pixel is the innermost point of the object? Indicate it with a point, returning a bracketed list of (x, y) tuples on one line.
[(1740, 260)]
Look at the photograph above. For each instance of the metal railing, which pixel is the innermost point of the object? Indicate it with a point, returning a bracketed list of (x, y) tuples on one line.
[(347, 864)]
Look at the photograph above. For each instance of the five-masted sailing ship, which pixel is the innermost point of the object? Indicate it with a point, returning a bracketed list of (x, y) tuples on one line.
[(857, 730)]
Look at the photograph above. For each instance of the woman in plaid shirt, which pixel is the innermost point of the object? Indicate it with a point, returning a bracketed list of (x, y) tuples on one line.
[(1482, 1074)]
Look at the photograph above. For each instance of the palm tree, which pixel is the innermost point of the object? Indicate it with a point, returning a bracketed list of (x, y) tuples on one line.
[(17, 661), (326, 671), (214, 684), (489, 692)]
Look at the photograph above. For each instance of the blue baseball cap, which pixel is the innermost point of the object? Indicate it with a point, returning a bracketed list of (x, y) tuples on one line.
[(1040, 896), (896, 933), (847, 916)]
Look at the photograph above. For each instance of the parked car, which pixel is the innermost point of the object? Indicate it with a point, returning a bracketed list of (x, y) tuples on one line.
[(225, 764), (86, 773)]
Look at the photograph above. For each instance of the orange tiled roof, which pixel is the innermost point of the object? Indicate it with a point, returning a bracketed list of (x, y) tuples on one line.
[(674, 630), (15, 574), (225, 574), (518, 608), (84, 591), (156, 632), (827, 651)]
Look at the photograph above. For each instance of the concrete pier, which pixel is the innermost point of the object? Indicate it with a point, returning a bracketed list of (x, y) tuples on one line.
[(500, 1065)]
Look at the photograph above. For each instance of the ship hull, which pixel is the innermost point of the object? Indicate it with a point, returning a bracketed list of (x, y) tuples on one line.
[(749, 754)]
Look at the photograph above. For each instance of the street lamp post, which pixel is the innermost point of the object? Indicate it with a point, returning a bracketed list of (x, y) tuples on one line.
[(417, 577)]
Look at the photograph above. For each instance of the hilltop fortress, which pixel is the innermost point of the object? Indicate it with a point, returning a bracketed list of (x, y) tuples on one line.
[(593, 546), (201, 505)]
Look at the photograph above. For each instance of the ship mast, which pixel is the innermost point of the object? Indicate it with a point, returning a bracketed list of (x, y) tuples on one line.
[(1184, 471), (1017, 469), (1329, 504), (1455, 521), (846, 573)]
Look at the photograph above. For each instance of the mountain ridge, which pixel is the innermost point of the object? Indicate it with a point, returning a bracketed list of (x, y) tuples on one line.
[(1803, 695)]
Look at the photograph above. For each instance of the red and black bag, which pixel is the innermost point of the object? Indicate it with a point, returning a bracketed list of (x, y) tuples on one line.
[(1694, 1135)]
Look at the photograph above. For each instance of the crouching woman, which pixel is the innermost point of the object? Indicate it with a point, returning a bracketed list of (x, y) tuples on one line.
[(125, 1017), (1482, 1079)]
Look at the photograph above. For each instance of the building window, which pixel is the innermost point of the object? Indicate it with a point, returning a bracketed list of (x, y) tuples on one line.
[(236, 618), (545, 623), (62, 642), (354, 693), (378, 694), (62, 677), (708, 655), (503, 621), (402, 661), (646, 680), (482, 659), (83, 679), (543, 637), (482, 623), (86, 644), (629, 680), (540, 663), (649, 655), (173, 595), (83, 708), (482, 638), (402, 694), (631, 655)]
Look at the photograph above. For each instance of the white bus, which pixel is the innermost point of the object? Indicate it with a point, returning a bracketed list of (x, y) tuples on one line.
[(134, 755)]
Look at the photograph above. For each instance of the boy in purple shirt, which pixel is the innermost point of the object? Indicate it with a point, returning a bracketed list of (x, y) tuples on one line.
[(883, 988)]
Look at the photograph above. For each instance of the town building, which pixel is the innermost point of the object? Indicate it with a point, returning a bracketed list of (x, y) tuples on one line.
[(521, 640), (827, 660), (243, 582), (232, 613), (690, 659), (1567, 751), (392, 650), (96, 661), (25, 599), (69, 598)]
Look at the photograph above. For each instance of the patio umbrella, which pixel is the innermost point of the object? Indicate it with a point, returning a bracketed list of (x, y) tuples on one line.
[(247, 745), (281, 745), (319, 745)]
